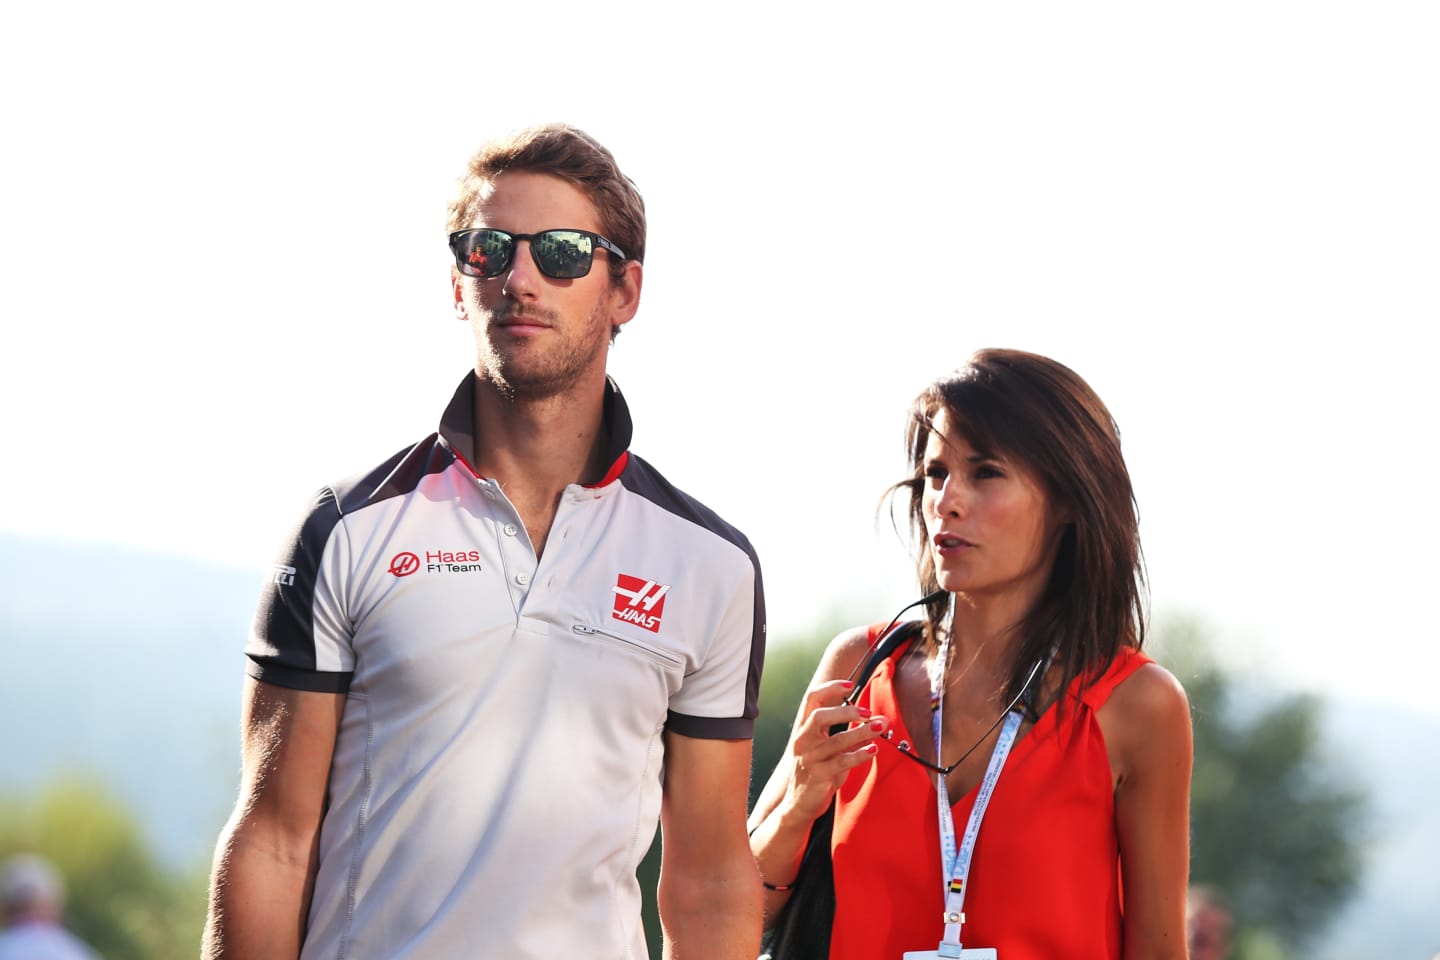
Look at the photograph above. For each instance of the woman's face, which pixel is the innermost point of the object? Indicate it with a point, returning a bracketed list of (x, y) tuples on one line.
[(988, 520)]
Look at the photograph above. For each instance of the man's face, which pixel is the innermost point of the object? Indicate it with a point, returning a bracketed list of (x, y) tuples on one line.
[(537, 336)]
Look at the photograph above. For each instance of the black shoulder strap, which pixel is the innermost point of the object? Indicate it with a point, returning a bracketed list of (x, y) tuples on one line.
[(888, 644)]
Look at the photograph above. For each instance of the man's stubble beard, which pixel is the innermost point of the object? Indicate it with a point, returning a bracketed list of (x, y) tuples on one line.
[(551, 373)]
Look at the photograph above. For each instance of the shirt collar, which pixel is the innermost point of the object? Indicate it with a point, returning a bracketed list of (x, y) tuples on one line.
[(457, 426)]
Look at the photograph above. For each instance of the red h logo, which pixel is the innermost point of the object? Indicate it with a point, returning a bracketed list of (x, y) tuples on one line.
[(639, 601)]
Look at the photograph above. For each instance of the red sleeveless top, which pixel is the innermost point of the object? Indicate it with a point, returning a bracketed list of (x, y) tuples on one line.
[(1044, 880)]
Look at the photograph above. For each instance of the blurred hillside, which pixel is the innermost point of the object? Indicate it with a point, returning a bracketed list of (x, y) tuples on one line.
[(126, 667)]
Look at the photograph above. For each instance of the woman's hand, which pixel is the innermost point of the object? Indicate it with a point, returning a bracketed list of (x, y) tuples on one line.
[(814, 765), (821, 760)]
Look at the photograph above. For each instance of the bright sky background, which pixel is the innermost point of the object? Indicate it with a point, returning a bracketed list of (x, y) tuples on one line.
[(223, 249)]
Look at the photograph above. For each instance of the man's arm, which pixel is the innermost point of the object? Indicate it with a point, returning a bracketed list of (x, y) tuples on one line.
[(266, 858), (710, 893)]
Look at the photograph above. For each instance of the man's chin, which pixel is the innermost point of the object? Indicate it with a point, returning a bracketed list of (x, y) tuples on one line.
[(516, 383)]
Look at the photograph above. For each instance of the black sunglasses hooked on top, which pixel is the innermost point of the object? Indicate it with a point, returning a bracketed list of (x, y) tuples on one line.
[(561, 254), (885, 643)]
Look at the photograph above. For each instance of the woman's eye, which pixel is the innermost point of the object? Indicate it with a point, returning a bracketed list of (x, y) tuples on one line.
[(936, 472), (987, 471)]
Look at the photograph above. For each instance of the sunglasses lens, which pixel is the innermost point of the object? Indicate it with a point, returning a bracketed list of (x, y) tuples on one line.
[(484, 253), (563, 254)]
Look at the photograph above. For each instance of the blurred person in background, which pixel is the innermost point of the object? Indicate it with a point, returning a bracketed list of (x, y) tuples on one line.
[(1207, 924), (32, 898)]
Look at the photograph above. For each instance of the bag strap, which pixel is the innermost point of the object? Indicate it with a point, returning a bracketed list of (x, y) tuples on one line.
[(887, 646)]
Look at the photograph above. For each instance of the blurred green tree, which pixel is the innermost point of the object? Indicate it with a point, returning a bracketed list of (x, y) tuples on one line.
[(1275, 822), (122, 901), (789, 668)]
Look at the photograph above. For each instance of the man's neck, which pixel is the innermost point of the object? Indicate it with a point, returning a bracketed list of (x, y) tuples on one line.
[(536, 447)]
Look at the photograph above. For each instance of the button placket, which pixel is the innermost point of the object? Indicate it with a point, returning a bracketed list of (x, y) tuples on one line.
[(516, 554)]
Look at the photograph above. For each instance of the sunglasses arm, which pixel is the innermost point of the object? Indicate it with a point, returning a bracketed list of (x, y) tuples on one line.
[(890, 638)]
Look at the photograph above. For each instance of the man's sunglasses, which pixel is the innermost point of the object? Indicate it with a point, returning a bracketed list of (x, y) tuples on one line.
[(561, 254)]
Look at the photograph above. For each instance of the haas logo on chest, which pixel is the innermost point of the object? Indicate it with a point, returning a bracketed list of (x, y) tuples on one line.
[(639, 601)]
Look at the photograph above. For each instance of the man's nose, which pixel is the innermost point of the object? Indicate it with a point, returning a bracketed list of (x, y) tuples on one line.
[(522, 276)]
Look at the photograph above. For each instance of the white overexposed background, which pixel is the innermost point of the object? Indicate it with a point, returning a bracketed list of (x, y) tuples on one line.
[(224, 282), (223, 258)]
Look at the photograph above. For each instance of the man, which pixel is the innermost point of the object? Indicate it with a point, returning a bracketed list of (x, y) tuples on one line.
[(484, 668), (32, 900)]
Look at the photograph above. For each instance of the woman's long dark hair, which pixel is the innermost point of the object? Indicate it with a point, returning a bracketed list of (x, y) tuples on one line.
[(1032, 409)]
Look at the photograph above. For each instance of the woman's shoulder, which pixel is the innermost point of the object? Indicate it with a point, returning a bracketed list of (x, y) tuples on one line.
[(849, 648), (1148, 711), (1148, 691), (1095, 686), (844, 653)]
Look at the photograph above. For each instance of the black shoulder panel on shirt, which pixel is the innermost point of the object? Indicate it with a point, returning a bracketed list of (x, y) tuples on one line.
[(285, 615), (396, 477), (282, 648)]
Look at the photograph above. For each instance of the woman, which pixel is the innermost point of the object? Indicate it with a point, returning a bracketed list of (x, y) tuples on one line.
[(1025, 674)]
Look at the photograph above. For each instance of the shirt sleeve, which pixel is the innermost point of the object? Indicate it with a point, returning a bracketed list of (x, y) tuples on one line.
[(721, 699), (301, 636)]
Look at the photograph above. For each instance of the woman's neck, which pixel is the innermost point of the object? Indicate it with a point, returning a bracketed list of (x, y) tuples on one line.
[(984, 640)]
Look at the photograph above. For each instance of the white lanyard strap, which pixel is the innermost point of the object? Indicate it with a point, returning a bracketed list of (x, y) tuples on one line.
[(955, 865)]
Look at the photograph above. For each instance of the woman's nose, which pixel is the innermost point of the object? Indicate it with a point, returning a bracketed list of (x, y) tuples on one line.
[(951, 501)]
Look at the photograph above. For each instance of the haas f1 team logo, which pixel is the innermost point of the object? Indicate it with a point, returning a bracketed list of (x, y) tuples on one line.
[(640, 602), (403, 564)]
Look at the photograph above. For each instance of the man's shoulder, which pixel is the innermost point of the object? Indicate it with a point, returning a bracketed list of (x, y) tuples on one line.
[(397, 475), (402, 472), (641, 478)]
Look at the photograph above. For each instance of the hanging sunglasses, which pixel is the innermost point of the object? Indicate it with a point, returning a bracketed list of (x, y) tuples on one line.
[(885, 643), (907, 749), (561, 254)]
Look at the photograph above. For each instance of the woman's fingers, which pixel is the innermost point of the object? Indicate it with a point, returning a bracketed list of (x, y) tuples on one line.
[(824, 708), (835, 736), (822, 759), (826, 694), (820, 746)]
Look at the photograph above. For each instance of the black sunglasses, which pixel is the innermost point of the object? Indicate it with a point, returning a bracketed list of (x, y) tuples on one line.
[(561, 254), (885, 643)]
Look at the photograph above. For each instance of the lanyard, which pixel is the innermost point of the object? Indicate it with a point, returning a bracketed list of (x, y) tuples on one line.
[(955, 866)]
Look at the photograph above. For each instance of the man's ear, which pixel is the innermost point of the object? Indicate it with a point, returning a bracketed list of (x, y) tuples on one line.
[(625, 295), (457, 285)]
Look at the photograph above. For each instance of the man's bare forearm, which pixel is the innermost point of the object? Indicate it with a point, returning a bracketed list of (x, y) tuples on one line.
[(259, 901), (715, 917)]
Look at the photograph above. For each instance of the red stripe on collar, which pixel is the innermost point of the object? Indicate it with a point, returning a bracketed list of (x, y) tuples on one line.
[(616, 468)]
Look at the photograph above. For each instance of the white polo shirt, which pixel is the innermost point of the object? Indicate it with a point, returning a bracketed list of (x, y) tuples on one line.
[(497, 775)]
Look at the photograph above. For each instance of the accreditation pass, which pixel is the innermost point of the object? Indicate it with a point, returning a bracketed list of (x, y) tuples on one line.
[(969, 953)]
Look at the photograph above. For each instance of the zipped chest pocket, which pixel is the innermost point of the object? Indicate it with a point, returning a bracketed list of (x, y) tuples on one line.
[(630, 645)]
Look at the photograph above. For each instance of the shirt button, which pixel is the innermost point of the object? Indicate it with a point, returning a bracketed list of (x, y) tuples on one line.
[(522, 578), (511, 529)]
